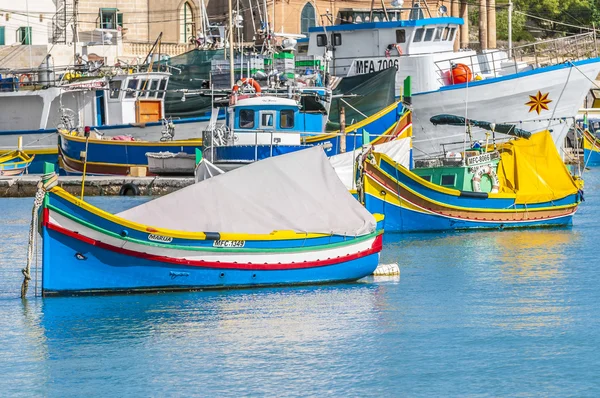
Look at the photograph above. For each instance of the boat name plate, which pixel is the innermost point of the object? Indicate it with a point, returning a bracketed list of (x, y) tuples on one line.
[(483, 158), (160, 238), (229, 243)]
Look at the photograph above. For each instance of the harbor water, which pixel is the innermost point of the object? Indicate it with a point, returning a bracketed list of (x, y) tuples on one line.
[(492, 313)]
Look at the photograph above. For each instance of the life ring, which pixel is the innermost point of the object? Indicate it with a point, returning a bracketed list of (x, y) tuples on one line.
[(24, 76), (129, 189), (491, 173), (250, 81), (399, 49)]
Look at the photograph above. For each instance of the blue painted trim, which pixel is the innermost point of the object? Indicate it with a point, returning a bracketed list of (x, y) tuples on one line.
[(114, 126), (512, 76), (389, 25)]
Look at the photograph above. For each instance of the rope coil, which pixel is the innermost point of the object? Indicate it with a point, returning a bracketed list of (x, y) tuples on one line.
[(48, 181)]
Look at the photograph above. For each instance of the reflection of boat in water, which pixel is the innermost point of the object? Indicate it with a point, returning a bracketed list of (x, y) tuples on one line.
[(282, 235)]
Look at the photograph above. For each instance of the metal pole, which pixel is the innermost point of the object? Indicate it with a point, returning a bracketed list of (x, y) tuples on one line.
[(231, 63), (510, 10), (28, 34)]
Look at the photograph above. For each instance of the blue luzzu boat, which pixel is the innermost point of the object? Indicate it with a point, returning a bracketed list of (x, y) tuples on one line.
[(112, 155), (262, 126), (200, 237), (521, 183)]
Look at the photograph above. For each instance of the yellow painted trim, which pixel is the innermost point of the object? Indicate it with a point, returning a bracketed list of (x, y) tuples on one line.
[(590, 145), (355, 126), (275, 235), (43, 151), (25, 158), (192, 141), (369, 187)]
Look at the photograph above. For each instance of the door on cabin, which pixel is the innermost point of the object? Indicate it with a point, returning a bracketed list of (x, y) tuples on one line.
[(148, 111), (100, 108)]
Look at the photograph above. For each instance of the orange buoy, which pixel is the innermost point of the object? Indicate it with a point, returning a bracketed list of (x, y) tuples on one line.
[(460, 73)]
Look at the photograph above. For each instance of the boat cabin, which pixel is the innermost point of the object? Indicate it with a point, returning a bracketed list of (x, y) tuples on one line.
[(389, 38), (470, 171), (133, 98), (271, 120)]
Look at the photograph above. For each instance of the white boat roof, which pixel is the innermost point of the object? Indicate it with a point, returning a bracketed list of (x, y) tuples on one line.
[(298, 192), (389, 24), (266, 100)]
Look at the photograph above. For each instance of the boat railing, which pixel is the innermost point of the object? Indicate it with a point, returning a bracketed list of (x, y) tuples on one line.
[(221, 136), (531, 56)]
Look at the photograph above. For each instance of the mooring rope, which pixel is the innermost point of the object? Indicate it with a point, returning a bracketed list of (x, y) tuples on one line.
[(47, 182)]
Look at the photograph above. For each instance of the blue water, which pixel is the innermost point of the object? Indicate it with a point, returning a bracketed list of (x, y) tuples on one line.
[(498, 313)]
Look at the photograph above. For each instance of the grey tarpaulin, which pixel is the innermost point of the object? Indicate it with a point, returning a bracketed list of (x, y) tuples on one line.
[(299, 191)]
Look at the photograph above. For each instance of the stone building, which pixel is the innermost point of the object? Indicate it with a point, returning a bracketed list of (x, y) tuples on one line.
[(296, 16), (141, 21)]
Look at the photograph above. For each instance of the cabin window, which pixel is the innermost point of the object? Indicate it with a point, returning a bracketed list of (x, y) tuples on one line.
[(321, 40), (144, 85), (451, 35), (246, 119), (429, 34), (267, 119), (400, 36), (286, 120), (336, 39), (153, 87), (438, 34), (419, 35), (162, 88), (115, 89), (445, 35), (426, 178), (132, 86), (448, 180)]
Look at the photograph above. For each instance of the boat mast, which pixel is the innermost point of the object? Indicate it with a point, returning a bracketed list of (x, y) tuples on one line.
[(510, 10)]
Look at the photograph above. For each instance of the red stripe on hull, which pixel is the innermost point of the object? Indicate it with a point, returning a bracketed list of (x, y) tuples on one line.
[(375, 248)]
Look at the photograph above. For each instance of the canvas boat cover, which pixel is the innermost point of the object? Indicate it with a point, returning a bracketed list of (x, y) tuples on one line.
[(299, 191), (344, 164), (533, 170)]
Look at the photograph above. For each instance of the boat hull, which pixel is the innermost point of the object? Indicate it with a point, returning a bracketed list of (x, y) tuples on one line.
[(44, 143), (504, 100), (86, 252), (411, 205), (114, 157), (591, 150)]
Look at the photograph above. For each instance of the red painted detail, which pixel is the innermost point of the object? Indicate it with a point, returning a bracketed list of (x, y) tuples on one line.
[(375, 248), (150, 229)]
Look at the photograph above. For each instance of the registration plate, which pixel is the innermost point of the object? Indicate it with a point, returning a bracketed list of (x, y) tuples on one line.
[(229, 243)]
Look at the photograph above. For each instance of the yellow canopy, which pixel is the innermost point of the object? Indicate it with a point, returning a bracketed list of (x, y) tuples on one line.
[(534, 171)]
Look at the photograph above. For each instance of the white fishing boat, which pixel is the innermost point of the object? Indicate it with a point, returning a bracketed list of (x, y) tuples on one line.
[(538, 87), (129, 104)]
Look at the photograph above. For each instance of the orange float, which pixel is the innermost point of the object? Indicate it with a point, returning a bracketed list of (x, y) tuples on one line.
[(460, 73)]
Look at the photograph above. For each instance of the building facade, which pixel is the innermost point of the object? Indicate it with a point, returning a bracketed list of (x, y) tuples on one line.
[(297, 16), (141, 21), (25, 22)]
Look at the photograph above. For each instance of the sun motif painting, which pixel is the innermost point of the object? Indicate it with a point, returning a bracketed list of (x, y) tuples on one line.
[(538, 102)]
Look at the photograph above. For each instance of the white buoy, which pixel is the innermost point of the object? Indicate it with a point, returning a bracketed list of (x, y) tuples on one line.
[(387, 270)]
